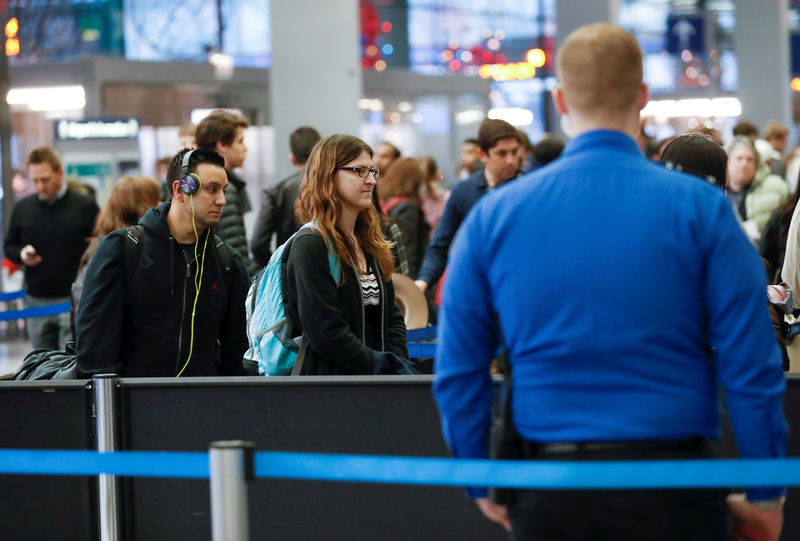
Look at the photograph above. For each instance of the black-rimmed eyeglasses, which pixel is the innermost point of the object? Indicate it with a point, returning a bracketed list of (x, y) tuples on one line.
[(364, 172)]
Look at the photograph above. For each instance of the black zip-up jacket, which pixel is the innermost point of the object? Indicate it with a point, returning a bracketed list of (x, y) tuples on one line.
[(333, 317), (276, 216), (144, 328)]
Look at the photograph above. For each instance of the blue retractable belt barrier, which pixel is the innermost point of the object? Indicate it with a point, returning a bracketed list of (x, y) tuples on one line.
[(131, 463), (38, 311), (12, 295), (421, 351), (421, 471), (425, 333)]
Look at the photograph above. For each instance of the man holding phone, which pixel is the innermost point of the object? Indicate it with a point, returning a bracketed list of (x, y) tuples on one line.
[(48, 233)]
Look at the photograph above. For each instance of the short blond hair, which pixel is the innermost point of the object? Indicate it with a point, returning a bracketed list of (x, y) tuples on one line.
[(775, 129), (599, 68)]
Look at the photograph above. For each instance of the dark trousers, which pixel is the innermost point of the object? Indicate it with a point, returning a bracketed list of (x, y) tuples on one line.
[(620, 515)]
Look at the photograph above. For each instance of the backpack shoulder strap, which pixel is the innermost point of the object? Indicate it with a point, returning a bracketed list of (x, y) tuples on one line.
[(224, 254), (334, 263), (132, 252)]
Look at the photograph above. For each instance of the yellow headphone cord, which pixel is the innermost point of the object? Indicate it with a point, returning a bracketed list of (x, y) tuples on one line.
[(198, 281)]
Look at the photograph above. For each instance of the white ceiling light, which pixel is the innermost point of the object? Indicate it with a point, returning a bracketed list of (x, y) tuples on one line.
[(515, 116), (48, 98)]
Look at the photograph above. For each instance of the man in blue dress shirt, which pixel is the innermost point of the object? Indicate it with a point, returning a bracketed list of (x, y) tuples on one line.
[(626, 294)]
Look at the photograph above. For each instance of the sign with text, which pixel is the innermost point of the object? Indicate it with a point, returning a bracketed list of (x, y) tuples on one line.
[(97, 128)]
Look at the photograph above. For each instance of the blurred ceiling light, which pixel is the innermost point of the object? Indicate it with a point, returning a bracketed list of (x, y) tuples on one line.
[(197, 115), (223, 65), (48, 98), (469, 117), (516, 116), (703, 108), (405, 107)]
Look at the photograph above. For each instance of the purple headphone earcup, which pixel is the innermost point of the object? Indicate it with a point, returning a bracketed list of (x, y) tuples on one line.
[(190, 184)]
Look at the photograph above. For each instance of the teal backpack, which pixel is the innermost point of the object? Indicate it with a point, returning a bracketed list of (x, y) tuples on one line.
[(272, 349)]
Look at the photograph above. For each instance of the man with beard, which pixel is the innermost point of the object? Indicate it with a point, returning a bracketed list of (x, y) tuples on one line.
[(166, 298)]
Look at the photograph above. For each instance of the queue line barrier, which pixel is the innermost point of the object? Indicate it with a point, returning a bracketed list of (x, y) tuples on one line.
[(523, 474), (7, 296), (229, 466)]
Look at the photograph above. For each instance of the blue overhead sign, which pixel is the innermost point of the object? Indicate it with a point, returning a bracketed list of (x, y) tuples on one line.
[(685, 32)]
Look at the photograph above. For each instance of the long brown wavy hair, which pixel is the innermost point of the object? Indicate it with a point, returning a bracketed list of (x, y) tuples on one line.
[(319, 202), (130, 199)]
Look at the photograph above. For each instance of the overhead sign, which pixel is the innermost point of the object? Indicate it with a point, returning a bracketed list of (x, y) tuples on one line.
[(685, 32), (98, 128)]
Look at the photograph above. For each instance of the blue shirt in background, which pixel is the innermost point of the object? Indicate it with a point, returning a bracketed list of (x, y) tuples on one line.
[(613, 278)]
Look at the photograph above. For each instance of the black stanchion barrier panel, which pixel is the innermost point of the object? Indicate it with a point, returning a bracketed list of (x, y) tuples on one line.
[(383, 416), (47, 415)]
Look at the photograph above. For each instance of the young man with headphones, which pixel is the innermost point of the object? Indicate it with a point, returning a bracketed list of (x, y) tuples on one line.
[(166, 297)]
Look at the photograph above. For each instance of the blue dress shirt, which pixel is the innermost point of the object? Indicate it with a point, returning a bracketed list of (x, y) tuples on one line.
[(612, 278)]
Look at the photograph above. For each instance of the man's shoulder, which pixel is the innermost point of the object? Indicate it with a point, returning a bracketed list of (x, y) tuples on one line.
[(235, 179), (26, 203), (292, 181), (78, 199)]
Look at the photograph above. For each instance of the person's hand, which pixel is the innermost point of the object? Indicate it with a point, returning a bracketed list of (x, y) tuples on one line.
[(776, 293), (494, 512), (751, 523), (421, 284), (29, 256)]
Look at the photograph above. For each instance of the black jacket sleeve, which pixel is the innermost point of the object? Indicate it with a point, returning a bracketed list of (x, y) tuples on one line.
[(100, 316), (768, 245), (265, 227), (13, 243), (233, 327), (435, 260), (319, 309)]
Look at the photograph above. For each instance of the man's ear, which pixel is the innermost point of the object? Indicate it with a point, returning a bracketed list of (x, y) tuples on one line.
[(221, 148), (644, 96), (177, 194), (294, 161), (559, 101), (482, 156)]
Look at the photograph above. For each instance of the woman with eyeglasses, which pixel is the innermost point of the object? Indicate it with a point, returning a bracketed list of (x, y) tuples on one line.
[(351, 321)]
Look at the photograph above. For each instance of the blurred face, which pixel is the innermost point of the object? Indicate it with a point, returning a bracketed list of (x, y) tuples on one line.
[(46, 180), (355, 193), (234, 153), (384, 156), (778, 142), (210, 200), (741, 166), (186, 141), (469, 154), (501, 161)]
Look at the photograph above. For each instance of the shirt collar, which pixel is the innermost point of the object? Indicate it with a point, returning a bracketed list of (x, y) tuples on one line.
[(606, 139), (59, 194)]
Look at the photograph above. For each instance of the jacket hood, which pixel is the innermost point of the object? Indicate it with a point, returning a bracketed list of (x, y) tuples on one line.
[(155, 221)]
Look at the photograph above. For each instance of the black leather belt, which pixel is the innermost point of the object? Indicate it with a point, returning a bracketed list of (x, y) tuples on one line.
[(534, 449)]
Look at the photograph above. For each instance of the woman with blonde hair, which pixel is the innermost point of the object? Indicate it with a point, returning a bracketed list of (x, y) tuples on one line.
[(130, 198), (343, 305)]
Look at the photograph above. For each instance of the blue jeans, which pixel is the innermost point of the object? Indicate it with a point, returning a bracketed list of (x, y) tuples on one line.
[(48, 332)]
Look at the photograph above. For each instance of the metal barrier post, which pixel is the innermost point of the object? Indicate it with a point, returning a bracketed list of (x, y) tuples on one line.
[(107, 486), (231, 467)]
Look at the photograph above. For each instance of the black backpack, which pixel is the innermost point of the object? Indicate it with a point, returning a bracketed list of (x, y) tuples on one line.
[(41, 364), (49, 364)]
